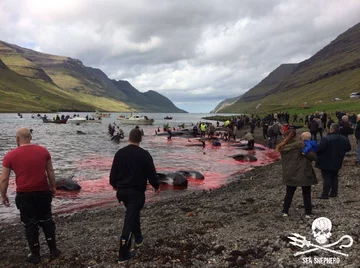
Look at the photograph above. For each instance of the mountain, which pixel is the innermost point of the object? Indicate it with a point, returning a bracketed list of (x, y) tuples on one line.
[(224, 104), (333, 72), (151, 99), (63, 83), (263, 88)]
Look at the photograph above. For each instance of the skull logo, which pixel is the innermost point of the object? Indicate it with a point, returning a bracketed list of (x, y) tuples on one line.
[(321, 228)]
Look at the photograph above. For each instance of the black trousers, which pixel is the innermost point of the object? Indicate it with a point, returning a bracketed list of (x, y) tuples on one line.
[(320, 131), (331, 183), (313, 135), (134, 201), (265, 134), (251, 144), (35, 211), (290, 191)]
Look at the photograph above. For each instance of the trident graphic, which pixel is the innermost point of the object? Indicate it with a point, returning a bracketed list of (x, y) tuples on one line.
[(300, 241)]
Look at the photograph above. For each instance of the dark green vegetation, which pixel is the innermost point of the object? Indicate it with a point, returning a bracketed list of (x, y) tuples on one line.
[(333, 72), (36, 82), (221, 118)]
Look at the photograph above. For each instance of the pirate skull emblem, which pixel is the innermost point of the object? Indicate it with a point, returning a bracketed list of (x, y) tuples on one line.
[(321, 228)]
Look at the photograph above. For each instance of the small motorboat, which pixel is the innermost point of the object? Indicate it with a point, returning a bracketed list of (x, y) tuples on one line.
[(83, 120), (62, 121), (168, 118), (137, 120), (98, 114)]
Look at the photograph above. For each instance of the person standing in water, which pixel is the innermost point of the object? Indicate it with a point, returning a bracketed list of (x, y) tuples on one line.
[(35, 187), (131, 169)]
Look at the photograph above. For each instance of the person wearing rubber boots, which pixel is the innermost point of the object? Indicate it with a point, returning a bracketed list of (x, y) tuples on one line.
[(131, 169), (35, 187)]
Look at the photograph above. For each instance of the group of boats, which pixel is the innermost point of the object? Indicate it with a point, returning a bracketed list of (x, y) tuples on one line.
[(131, 120)]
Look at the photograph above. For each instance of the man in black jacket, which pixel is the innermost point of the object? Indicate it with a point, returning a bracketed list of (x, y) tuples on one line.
[(345, 126), (131, 169), (330, 153)]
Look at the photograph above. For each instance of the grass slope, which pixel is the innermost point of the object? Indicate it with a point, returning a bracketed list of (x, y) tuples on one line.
[(333, 72), (70, 78)]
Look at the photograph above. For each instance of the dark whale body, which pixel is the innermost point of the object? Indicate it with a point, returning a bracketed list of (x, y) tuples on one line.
[(172, 178), (245, 157), (244, 147), (255, 148), (174, 133), (191, 174), (79, 132), (67, 184)]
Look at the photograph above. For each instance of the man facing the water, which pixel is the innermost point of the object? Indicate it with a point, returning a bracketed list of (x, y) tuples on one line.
[(131, 169), (34, 172)]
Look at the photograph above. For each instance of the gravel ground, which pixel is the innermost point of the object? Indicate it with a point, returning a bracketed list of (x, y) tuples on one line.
[(238, 225)]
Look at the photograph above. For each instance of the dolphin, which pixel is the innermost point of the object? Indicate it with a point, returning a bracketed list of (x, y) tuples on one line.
[(79, 132), (172, 178), (244, 157), (191, 174), (67, 184)]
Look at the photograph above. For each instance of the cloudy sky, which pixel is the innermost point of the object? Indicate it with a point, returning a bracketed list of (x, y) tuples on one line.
[(196, 52)]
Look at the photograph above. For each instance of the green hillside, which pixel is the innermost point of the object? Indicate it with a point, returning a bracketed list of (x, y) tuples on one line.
[(225, 103), (63, 83), (333, 72)]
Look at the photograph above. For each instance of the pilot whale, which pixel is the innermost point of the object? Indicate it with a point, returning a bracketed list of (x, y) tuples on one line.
[(172, 178), (191, 174), (244, 157), (67, 184)]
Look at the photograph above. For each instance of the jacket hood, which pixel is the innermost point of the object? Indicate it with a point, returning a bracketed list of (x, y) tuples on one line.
[(293, 144)]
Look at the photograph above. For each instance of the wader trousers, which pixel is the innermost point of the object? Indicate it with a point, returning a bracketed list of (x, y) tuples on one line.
[(35, 211)]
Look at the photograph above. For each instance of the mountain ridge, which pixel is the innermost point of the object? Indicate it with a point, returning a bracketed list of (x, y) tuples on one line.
[(80, 85), (332, 72)]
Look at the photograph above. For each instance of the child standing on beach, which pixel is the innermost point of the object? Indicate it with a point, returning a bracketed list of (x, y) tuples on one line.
[(309, 144)]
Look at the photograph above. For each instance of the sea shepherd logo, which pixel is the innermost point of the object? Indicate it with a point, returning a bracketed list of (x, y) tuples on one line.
[(321, 229)]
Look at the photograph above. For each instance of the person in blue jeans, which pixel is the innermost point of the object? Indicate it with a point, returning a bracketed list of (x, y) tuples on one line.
[(357, 136)]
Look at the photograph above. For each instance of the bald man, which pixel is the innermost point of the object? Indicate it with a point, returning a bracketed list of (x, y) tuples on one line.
[(35, 186)]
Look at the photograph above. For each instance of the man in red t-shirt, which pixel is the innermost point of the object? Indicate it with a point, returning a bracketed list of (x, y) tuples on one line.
[(35, 186)]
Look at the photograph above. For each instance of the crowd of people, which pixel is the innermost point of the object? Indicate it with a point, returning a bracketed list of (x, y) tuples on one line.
[(133, 167)]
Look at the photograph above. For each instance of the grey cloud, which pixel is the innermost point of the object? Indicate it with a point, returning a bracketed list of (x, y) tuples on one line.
[(202, 50)]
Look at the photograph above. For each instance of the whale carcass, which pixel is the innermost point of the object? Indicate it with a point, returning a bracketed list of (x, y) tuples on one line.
[(67, 184), (172, 178)]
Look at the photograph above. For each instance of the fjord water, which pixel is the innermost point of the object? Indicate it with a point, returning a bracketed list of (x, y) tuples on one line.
[(89, 157)]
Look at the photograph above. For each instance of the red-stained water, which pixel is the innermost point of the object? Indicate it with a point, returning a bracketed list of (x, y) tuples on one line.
[(89, 158), (215, 163)]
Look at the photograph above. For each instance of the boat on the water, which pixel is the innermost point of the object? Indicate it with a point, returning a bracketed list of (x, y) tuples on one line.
[(98, 114), (137, 120), (62, 121), (82, 120), (121, 117), (168, 118)]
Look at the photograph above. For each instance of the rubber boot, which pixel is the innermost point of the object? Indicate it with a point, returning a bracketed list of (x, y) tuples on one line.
[(34, 256), (54, 251), (124, 251)]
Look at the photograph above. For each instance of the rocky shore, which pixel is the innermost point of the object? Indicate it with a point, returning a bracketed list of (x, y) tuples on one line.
[(237, 225)]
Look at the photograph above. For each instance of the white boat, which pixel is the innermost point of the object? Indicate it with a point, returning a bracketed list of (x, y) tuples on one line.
[(136, 120), (83, 120), (98, 114)]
